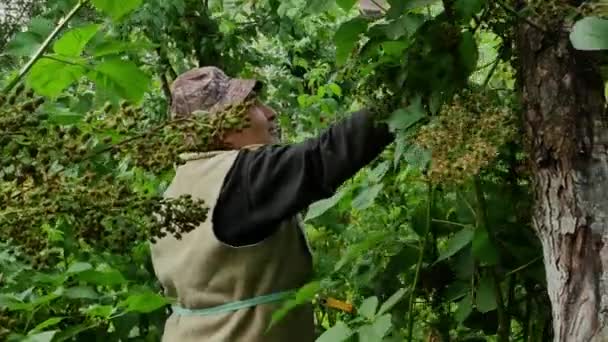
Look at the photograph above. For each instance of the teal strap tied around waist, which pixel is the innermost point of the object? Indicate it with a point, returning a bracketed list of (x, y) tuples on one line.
[(233, 306)]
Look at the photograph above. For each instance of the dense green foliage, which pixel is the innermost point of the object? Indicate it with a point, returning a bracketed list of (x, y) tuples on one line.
[(433, 241)]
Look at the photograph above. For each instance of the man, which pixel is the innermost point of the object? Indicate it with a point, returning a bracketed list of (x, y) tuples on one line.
[(230, 273)]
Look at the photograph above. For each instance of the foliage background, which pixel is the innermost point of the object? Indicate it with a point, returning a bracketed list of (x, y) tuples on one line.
[(431, 242)]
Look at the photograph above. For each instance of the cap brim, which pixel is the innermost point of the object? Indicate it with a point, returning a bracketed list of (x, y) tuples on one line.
[(238, 90)]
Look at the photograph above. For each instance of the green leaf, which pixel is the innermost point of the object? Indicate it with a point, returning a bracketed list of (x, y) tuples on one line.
[(376, 331), (347, 5), (102, 311), (483, 249), (112, 47), (485, 296), (46, 336), (366, 198), (392, 301), (465, 307), (80, 292), (338, 333), (103, 275), (72, 42), (48, 323), (304, 295), (116, 8), (319, 208), (79, 267), (402, 119), (466, 9), (347, 37), (590, 33), (122, 78), (368, 307), (50, 77), (144, 302), (456, 243), (27, 43)]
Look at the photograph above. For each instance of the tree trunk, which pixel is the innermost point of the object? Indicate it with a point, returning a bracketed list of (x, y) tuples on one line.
[(566, 131)]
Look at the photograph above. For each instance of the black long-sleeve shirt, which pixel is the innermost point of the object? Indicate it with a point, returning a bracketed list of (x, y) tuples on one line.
[(269, 184)]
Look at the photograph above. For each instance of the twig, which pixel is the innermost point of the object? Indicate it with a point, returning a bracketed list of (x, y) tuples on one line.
[(524, 266), (44, 46)]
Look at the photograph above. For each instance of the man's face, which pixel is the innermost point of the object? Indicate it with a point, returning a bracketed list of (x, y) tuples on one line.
[(262, 128)]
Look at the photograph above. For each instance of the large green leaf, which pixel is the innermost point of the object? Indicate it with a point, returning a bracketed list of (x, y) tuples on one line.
[(590, 34), (122, 78), (392, 301), (368, 308), (483, 249), (366, 198), (79, 267), (338, 333), (347, 37), (465, 307), (50, 77), (456, 243), (48, 323), (376, 331), (485, 299), (46, 336), (116, 8), (103, 275), (72, 42), (144, 302), (404, 118), (319, 208)]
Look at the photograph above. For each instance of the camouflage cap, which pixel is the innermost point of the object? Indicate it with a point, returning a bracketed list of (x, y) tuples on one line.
[(208, 89)]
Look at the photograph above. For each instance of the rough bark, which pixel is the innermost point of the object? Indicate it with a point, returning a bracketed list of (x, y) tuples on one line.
[(566, 129)]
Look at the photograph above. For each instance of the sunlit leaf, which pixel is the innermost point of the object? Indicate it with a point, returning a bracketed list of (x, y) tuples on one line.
[(392, 301), (48, 323), (72, 42), (366, 198), (50, 77), (377, 330), (368, 307), (46, 336), (338, 333), (122, 78), (590, 33), (79, 267), (116, 8), (319, 208), (144, 302)]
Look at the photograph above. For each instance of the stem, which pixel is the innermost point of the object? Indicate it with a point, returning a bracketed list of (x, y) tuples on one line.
[(26, 68), (419, 263), (503, 318)]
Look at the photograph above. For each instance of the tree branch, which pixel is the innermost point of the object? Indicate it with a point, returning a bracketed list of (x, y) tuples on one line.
[(62, 23)]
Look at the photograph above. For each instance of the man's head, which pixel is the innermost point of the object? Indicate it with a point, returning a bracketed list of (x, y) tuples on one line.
[(210, 90)]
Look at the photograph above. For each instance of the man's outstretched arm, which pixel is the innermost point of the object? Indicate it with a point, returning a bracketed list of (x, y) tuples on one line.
[(272, 183)]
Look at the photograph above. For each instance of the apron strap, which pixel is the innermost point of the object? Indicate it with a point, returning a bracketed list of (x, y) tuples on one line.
[(233, 306)]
